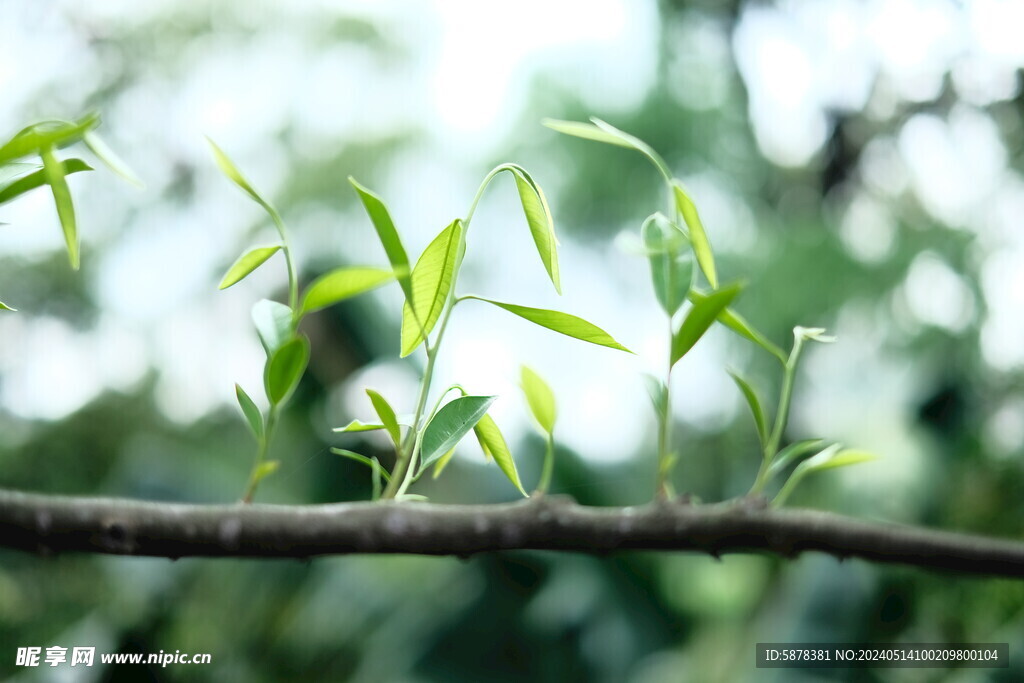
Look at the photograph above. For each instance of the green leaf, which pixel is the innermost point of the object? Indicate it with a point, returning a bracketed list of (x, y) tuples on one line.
[(285, 368), (263, 471), (246, 263), (387, 417), (452, 422), (5, 307), (493, 443), (441, 463), (792, 453), (369, 462), (108, 157), (600, 131), (658, 392), (538, 217), (253, 416), (755, 406), (359, 426), (341, 284), (388, 235), (698, 237), (38, 178), (274, 324), (42, 135), (839, 458), (54, 171), (540, 398), (700, 318), (735, 322), (432, 281), (231, 171), (563, 323), (671, 268), (813, 334)]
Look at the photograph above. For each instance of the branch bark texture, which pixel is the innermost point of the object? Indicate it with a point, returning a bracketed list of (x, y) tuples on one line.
[(52, 524)]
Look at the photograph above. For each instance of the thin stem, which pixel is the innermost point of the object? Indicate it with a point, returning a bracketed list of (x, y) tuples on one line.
[(293, 280), (261, 455), (785, 397), (549, 465), (664, 486)]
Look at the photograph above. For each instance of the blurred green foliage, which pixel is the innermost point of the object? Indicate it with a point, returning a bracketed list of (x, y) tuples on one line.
[(533, 616)]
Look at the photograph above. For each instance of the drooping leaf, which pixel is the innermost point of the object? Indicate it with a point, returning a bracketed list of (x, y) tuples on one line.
[(54, 171), (538, 217), (108, 157), (387, 417), (369, 462), (252, 414), (754, 403), (5, 307), (735, 322), (700, 318), (247, 263), (493, 442), (563, 323), (388, 235), (792, 453), (38, 178), (698, 237), (601, 131), (452, 422), (284, 370), (263, 471), (442, 462), (341, 284), (831, 457), (671, 266), (273, 322), (658, 393), (540, 398), (432, 281), (42, 135)]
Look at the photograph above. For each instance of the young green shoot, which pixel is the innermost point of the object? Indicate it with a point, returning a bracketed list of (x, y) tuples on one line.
[(541, 401)]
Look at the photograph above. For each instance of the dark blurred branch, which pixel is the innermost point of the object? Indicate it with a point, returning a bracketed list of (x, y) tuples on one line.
[(50, 524)]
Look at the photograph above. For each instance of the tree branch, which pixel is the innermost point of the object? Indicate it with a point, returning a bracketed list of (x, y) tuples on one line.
[(50, 524)]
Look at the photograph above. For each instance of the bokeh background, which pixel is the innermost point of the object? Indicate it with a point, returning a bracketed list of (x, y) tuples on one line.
[(859, 164)]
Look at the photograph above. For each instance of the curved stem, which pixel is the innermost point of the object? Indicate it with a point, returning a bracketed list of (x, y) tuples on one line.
[(549, 465)]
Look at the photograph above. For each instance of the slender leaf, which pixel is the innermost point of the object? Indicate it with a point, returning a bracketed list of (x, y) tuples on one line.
[(252, 414), (54, 171), (108, 157), (38, 178), (442, 462), (792, 453), (247, 263), (273, 322), (231, 171), (341, 284), (432, 281), (360, 426), (5, 307), (285, 368), (601, 131), (698, 237), (841, 458), (538, 217), (700, 318), (671, 268), (563, 323), (540, 398), (493, 442), (813, 334), (760, 420), (738, 324), (369, 462), (42, 135), (388, 235), (452, 422), (387, 417)]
